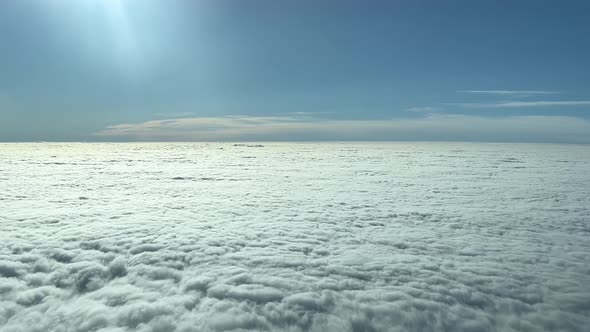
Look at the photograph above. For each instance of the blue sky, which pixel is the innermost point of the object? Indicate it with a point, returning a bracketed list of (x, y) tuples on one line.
[(119, 70)]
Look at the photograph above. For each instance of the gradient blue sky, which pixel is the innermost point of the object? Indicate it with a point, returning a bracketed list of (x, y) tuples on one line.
[(294, 70)]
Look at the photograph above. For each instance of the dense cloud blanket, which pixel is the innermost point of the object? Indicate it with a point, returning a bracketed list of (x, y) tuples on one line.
[(294, 237)]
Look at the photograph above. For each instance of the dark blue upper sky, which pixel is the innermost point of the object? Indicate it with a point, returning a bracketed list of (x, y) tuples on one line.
[(78, 69)]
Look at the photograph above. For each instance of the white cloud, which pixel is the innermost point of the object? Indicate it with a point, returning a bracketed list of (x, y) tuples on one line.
[(423, 109), (517, 104), (294, 237), (174, 114), (431, 127), (510, 92)]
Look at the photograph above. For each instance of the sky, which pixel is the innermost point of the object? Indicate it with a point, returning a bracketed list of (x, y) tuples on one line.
[(221, 70)]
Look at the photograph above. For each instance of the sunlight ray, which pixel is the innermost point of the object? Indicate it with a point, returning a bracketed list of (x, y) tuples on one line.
[(125, 42)]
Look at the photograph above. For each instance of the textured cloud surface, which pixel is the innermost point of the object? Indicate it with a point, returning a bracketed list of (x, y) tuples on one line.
[(294, 237)]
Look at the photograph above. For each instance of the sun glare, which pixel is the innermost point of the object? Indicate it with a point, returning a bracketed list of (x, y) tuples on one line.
[(123, 35)]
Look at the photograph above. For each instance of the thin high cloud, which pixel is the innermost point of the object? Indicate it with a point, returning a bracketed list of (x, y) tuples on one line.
[(174, 114), (508, 102), (283, 128), (510, 92), (423, 109), (519, 104)]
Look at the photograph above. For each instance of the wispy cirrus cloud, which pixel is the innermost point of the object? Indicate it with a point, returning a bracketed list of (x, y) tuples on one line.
[(174, 114), (518, 104), (423, 109), (511, 92)]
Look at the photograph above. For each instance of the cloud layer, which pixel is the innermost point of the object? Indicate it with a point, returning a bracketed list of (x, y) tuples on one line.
[(431, 127), (294, 237)]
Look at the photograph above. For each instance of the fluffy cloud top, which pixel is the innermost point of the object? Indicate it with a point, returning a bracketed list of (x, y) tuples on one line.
[(294, 237)]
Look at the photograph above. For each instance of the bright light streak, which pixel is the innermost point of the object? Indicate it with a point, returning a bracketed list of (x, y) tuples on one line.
[(124, 39), (127, 35)]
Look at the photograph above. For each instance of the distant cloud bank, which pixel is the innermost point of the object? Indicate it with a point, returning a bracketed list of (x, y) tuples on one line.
[(284, 128), (438, 122)]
